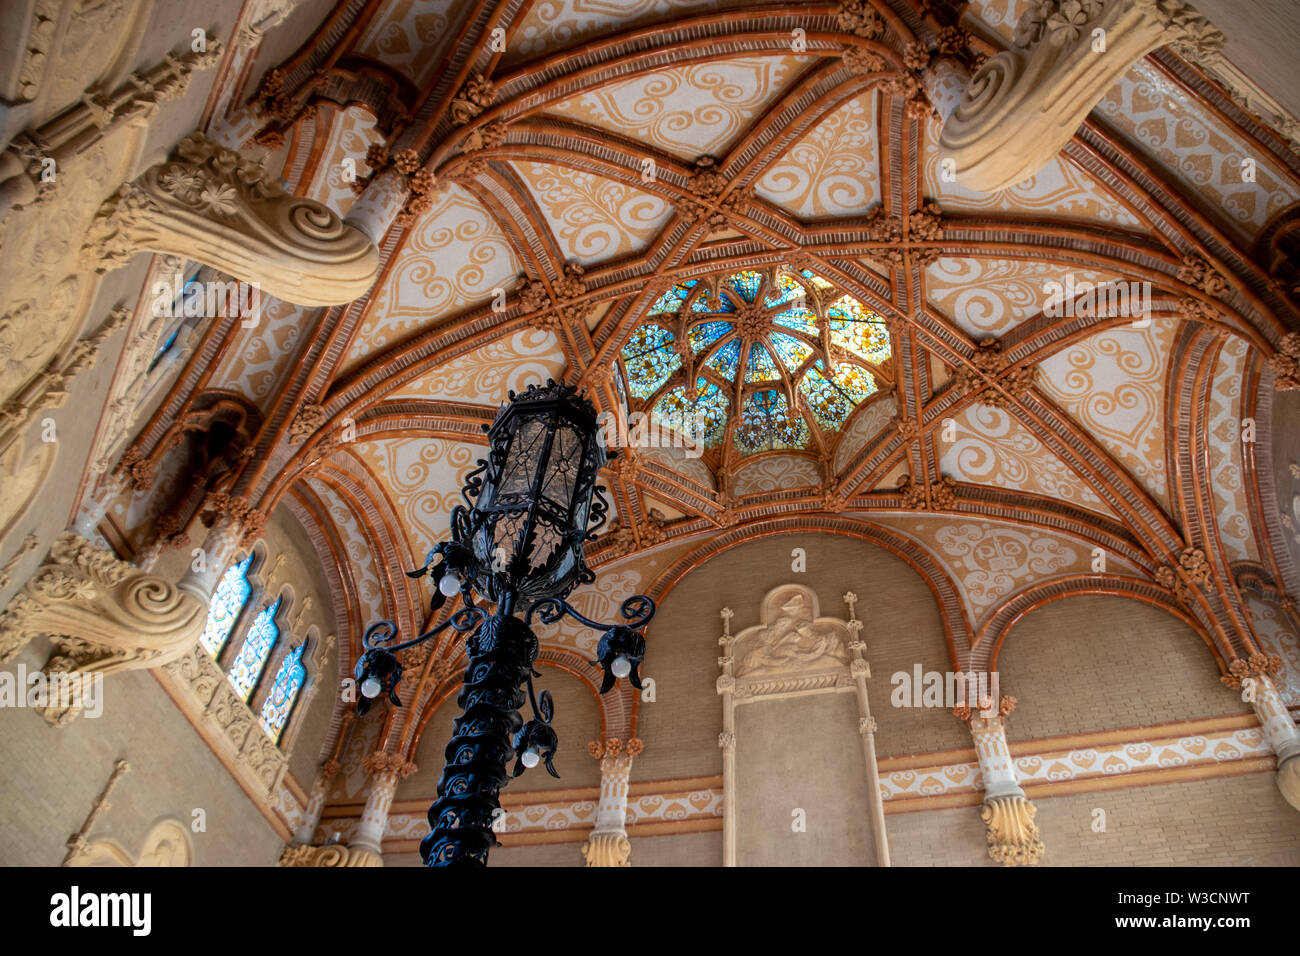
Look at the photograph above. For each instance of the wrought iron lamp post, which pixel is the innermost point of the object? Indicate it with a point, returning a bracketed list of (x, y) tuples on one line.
[(517, 543)]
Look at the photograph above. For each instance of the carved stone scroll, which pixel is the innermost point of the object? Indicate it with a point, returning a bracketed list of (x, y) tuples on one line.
[(107, 615), (1025, 104), (333, 854), (214, 206)]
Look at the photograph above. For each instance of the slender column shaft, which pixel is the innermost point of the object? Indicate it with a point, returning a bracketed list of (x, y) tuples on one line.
[(218, 548), (96, 505), (861, 670), (374, 818), (1282, 736), (311, 816), (727, 742), (378, 205)]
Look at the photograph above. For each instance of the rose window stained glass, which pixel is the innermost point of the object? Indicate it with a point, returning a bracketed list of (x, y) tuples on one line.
[(284, 693), (261, 639), (758, 360), (227, 602)]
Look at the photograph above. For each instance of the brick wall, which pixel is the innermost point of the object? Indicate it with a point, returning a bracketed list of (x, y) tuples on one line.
[(1102, 663), (53, 776)]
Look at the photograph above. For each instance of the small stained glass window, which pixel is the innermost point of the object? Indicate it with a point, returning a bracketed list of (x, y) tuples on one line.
[(760, 367), (284, 693), (671, 301), (650, 357), (700, 412), (257, 648), (227, 602), (768, 423)]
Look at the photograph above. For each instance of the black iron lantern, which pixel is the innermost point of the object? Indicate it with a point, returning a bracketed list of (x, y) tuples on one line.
[(536, 497), (517, 542)]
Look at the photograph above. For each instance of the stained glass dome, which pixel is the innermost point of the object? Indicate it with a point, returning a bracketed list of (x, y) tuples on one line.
[(758, 360)]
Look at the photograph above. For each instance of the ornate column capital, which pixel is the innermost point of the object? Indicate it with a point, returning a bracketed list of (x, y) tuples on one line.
[(1010, 830), (607, 848)]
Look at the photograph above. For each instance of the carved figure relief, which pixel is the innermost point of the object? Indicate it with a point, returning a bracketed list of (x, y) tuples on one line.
[(792, 637), (21, 476)]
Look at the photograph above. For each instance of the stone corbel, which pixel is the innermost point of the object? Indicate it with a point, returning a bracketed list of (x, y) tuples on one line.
[(106, 615), (212, 205), (1026, 103)]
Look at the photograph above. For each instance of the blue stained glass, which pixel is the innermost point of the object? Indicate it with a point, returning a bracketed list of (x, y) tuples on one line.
[(760, 367), (833, 398), (164, 349), (649, 357), (787, 290), (257, 648), (816, 280), (747, 284), (703, 414), (230, 597), (801, 320), (803, 316), (284, 692), (792, 352), (671, 301), (767, 423), (706, 333), (725, 360)]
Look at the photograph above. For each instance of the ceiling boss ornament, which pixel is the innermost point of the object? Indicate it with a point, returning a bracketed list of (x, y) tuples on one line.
[(518, 544)]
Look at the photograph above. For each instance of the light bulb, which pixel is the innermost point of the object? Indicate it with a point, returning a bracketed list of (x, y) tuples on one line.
[(621, 667), (531, 757), (449, 585), (371, 687)]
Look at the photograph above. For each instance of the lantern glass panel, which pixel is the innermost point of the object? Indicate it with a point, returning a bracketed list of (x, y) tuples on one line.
[(522, 460), (562, 468)]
